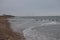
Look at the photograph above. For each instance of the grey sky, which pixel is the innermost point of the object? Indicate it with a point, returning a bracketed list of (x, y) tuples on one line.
[(30, 7)]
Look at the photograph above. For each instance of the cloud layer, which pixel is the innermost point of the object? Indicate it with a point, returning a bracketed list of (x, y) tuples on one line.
[(30, 7)]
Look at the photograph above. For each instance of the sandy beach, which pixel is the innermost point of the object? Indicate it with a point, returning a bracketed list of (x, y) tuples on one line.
[(6, 33)]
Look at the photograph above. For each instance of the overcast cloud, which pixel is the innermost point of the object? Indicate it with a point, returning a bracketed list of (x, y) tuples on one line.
[(30, 7)]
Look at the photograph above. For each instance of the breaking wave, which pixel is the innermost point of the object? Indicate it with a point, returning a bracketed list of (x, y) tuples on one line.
[(37, 29)]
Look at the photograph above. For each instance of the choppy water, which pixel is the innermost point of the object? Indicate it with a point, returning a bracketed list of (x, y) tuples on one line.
[(37, 28)]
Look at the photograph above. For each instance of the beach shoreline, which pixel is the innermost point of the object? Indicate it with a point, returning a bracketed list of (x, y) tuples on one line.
[(6, 33)]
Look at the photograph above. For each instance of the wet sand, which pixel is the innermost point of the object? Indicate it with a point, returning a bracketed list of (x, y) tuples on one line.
[(6, 33)]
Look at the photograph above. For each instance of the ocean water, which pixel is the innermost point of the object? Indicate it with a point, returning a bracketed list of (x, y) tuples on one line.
[(37, 27)]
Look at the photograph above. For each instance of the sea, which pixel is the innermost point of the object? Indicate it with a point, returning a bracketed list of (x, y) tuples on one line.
[(37, 27)]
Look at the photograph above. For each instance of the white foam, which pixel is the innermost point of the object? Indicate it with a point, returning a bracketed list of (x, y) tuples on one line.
[(27, 25)]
